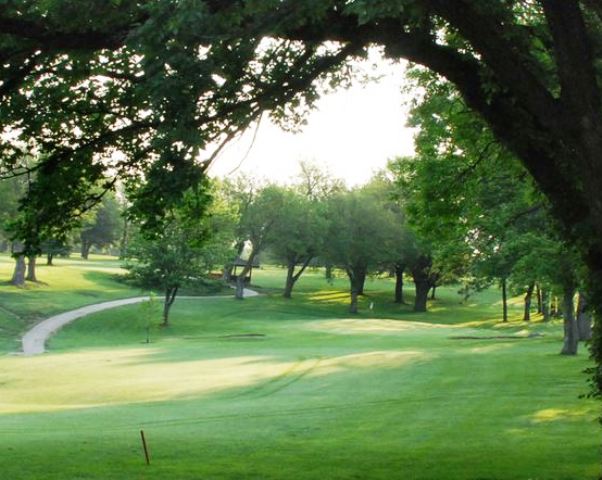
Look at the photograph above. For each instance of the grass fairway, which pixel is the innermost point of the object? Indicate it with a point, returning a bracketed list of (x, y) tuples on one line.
[(275, 389), (69, 284)]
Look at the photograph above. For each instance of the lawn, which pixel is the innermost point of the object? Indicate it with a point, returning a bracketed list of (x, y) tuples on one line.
[(69, 284), (271, 389)]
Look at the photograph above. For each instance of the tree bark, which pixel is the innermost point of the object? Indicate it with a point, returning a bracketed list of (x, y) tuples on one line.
[(571, 330), (240, 287), (528, 297), (170, 296), (545, 305), (31, 269), (584, 319), (19, 272), (292, 277), (504, 301), (353, 305), (422, 292), (288, 286), (356, 277), (399, 268), (85, 251), (361, 281), (422, 282)]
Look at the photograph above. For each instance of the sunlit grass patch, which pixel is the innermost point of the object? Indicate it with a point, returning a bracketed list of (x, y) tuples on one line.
[(581, 413)]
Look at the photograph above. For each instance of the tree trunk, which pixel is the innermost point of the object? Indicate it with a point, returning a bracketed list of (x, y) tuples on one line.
[(433, 290), (123, 246), (355, 282), (556, 310), (19, 272), (539, 299), (240, 278), (240, 287), (584, 319), (49, 258), (229, 268), (361, 281), (504, 301), (170, 296), (85, 252), (292, 277), (528, 297), (399, 268), (422, 281), (422, 293), (571, 330), (31, 269), (545, 305), (290, 282), (227, 273), (328, 272), (353, 304)]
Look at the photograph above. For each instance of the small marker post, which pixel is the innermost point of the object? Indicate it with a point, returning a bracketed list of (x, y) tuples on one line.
[(144, 447)]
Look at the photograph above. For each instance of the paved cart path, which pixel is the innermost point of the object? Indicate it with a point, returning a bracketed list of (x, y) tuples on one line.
[(34, 341)]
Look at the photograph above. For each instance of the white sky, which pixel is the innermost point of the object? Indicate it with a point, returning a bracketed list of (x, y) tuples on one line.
[(352, 134)]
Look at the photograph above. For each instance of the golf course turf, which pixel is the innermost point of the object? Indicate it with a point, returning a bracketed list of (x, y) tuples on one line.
[(268, 388)]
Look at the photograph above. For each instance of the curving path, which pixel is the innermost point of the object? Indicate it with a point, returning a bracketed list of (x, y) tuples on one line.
[(33, 342)]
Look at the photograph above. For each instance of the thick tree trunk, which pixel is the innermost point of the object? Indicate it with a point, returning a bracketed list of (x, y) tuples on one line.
[(584, 319), (504, 300), (31, 269), (355, 283), (528, 297), (399, 268), (545, 305), (361, 281), (170, 296), (571, 330), (19, 272), (422, 293), (49, 258), (422, 281)]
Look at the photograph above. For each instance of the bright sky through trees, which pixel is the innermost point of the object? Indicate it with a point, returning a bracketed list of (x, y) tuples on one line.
[(352, 133)]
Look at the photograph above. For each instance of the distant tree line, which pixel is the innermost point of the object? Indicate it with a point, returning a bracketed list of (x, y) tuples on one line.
[(451, 214)]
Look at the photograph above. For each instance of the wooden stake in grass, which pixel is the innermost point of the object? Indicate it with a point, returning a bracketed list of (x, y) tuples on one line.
[(144, 447)]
